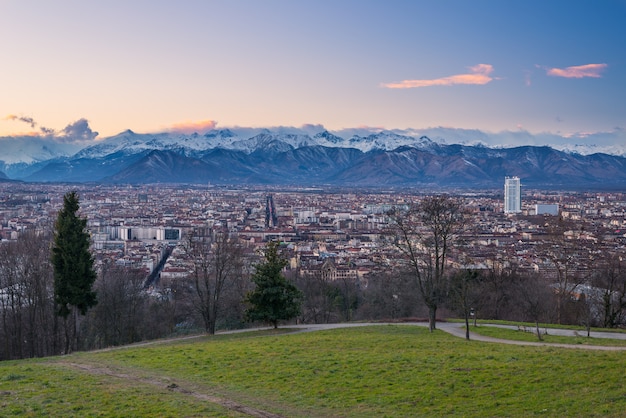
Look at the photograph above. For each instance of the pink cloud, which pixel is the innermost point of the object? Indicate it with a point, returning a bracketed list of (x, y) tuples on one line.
[(371, 128), (479, 74), (189, 127), (578, 71)]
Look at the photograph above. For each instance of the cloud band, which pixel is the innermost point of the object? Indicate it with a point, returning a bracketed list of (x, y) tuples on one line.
[(478, 75), (578, 71)]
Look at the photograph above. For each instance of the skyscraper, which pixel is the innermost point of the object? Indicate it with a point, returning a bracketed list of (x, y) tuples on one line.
[(512, 195)]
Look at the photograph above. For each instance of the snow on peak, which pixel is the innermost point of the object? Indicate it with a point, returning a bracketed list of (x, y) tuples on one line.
[(36, 149)]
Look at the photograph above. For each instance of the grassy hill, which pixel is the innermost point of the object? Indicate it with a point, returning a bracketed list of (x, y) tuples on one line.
[(387, 370)]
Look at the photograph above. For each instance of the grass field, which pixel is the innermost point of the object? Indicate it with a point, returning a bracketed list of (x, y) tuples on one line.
[(530, 335), (377, 371)]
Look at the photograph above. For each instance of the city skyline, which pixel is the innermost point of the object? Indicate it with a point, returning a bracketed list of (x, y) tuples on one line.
[(92, 70)]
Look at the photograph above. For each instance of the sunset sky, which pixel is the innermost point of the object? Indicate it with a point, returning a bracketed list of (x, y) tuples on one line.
[(154, 65)]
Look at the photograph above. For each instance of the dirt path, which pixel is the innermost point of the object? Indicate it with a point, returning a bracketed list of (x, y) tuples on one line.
[(165, 383)]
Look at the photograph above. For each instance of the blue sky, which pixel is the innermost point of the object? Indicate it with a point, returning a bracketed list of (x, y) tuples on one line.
[(540, 66)]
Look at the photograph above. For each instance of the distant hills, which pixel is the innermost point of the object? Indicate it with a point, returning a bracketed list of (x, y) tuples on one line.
[(299, 158)]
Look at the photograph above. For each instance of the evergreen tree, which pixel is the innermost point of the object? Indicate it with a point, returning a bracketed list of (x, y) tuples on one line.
[(274, 298), (73, 265)]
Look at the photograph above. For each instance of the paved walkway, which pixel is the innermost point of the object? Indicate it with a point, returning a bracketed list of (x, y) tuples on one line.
[(458, 330), (566, 332)]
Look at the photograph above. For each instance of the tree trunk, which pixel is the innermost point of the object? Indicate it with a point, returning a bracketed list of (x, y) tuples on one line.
[(77, 321), (467, 335), (68, 338), (432, 318), (538, 332), (211, 322)]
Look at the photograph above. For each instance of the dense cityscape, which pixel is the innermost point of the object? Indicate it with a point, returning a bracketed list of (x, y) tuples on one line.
[(341, 238), (132, 225)]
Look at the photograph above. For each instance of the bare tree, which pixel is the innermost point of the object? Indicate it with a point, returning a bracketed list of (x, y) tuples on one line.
[(566, 253), (425, 234), (11, 301), (535, 297), (28, 324), (122, 310), (389, 295), (498, 282), (217, 265), (34, 257), (610, 284), (319, 302), (465, 294)]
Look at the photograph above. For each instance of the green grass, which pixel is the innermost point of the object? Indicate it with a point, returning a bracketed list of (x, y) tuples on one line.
[(530, 335), (377, 371), (542, 326), (35, 389)]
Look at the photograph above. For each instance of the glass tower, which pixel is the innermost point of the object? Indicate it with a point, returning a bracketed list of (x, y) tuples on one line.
[(512, 195)]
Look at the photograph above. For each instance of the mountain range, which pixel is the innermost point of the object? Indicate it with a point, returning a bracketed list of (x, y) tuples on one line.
[(265, 156)]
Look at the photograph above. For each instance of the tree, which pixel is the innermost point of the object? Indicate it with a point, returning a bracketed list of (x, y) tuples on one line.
[(73, 265), (27, 320), (318, 304), (566, 252), (389, 295), (498, 287), (274, 298), (465, 294), (424, 234), (535, 298), (217, 264), (610, 284), (121, 311)]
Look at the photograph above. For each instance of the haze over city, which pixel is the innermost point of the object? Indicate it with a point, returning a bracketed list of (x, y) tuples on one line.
[(85, 71)]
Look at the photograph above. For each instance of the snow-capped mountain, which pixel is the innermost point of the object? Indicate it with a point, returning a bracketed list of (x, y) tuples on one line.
[(316, 155), (267, 141), (130, 142), (387, 140)]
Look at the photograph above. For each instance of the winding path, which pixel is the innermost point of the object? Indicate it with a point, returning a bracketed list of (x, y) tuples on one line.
[(458, 330)]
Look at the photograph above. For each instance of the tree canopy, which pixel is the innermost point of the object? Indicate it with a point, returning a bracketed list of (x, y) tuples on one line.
[(72, 261), (274, 298)]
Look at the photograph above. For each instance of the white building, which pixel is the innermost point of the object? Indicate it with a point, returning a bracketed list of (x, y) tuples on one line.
[(512, 195), (547, 209)]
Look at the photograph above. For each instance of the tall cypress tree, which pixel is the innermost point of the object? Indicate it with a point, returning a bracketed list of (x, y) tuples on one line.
[(274, 298), (73, 264)]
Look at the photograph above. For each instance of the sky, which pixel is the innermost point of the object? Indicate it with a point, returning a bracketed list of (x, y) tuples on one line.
[(96, 68)]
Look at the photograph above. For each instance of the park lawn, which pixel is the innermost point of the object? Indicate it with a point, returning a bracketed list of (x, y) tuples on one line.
[(531, 335), (581, 329), (385, 370), (37, 388)]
